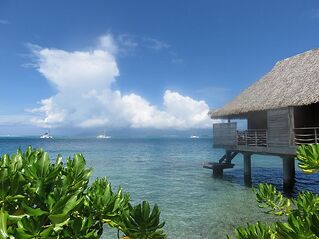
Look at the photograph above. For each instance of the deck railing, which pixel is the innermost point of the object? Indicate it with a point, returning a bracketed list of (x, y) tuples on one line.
[(252, 137), (307, 135)]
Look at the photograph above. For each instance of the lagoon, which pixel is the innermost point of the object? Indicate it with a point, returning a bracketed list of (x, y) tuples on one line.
[(168, 171)]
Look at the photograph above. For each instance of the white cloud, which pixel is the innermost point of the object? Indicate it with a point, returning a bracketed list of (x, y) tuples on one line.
[(155, 43), (4, 22), (128, 41), (51, 115), (86, 99), (192, 113), (107, 43), (128, 44), (83, 71)]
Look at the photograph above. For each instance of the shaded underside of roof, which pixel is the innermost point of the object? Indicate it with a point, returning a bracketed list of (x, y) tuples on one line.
[(292, 82)]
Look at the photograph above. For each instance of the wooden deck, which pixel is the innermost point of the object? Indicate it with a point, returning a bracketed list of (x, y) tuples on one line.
[(276, 151), (223, 163), (273, 141), (218, 166), (271, 133)]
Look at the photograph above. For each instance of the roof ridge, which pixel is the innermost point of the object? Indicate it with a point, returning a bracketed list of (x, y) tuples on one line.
[(298, 55)]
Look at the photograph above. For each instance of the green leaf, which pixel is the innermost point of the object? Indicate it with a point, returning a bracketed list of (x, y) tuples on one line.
[(59, 218), (33, 211), (268, 197), (143, 223), (3, 224), (40, 199), (308, 156)]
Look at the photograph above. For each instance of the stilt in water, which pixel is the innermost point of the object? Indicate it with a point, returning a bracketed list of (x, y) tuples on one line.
[(288, 164), (247, 169)]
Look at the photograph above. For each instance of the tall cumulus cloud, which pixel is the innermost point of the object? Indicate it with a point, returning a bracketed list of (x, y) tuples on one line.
[(85, 98)]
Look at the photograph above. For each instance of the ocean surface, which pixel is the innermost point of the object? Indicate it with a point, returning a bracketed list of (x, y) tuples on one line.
[(169, 172)]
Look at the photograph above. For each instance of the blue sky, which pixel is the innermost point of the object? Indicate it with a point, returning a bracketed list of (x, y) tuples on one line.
[(165, 62)]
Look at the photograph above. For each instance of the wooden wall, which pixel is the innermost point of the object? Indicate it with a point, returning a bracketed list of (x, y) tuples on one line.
[(257, 120), (224, 134), (279, 127)]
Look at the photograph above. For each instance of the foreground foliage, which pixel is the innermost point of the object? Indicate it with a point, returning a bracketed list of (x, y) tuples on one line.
[(41, 199), (301, 215)]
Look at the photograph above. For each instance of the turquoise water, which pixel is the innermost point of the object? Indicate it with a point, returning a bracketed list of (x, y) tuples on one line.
[(169, 172)]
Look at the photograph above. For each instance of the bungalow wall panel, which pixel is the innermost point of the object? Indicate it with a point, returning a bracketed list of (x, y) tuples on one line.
[(278, 128), (224, 134)]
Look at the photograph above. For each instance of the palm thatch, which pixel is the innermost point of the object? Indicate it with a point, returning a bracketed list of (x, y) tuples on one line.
[(292, 82)]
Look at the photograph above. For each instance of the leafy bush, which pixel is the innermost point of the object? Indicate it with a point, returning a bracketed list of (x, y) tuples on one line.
[(41, 199), (301, 215)]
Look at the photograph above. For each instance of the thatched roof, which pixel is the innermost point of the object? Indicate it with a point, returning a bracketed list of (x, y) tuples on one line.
[(292, 82)]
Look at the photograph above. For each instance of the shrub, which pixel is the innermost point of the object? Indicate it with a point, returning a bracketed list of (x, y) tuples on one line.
[(301, 215), (41, 199)]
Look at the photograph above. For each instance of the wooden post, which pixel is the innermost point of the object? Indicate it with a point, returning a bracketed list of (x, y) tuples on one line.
[(288, 172), (246, 139), (247, 169), (218, 172), (228, 156), (291, 125)]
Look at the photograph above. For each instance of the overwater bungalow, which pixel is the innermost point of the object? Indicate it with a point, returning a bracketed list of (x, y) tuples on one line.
[(281, 110)]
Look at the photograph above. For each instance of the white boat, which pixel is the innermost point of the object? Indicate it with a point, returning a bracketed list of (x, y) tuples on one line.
[(103, 136), (46, 136), (194, 137)]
